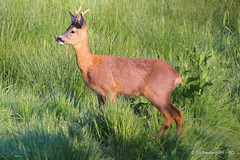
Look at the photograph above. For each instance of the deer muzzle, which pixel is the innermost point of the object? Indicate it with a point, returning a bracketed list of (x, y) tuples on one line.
[(60, 40)]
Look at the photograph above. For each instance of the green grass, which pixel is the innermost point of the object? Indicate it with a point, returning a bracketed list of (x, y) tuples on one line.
[(47, 112)]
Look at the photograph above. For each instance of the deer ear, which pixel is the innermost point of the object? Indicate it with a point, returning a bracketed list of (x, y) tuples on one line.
[(81, 20), (72, 16)]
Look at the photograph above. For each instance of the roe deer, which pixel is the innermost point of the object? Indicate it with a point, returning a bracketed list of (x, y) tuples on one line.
[(108, 76)]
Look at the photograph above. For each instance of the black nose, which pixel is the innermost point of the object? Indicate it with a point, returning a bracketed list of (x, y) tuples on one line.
[(59, 40)]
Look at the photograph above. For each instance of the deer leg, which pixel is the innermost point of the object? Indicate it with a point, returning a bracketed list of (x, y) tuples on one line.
[(111, 96), (178, 120), (169, 112), (101, 100), (177, 115), (167, 121)]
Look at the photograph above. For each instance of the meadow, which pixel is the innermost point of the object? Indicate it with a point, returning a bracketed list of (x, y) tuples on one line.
[(47, 112)]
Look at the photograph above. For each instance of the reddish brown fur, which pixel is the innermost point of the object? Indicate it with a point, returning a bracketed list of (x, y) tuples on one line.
[(108, 76)]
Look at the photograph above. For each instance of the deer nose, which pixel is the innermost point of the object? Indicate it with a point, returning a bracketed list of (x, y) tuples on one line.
[(60, 40)]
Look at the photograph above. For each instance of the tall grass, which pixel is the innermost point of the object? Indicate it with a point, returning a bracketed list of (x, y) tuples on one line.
[(46, 111)]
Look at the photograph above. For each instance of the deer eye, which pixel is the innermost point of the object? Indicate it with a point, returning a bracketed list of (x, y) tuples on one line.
[(73, 32)]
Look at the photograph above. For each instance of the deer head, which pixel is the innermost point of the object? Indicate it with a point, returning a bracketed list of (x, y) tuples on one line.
[(73, 33)]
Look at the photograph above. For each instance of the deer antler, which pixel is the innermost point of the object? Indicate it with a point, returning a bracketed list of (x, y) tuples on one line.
[(78, 11), (85, 12), (74, 17)]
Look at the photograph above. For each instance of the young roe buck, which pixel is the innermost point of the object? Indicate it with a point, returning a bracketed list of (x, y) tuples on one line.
[(108, 76)]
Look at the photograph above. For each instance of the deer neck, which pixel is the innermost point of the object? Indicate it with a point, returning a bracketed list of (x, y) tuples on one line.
[(83, 55)]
